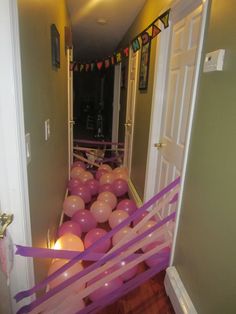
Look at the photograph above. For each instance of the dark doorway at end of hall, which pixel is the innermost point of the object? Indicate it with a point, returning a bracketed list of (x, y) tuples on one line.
[(93, 100)]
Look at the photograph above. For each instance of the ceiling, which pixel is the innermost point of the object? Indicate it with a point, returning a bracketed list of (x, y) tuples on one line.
[(93, 40)]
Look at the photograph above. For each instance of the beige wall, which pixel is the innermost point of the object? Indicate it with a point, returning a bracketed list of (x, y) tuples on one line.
[(206, 253), (151, 10), (45, 97)]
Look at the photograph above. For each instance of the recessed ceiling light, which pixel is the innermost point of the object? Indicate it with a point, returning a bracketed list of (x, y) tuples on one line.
[(101, 21)]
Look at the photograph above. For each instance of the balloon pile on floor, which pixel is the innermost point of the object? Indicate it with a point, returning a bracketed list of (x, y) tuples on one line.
[(96, 203)]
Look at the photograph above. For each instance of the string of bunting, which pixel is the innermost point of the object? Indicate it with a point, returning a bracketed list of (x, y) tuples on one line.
[(140, 40)]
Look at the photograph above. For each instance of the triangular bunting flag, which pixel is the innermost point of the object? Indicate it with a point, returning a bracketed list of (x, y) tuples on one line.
[(92, 66), (99, 65), (107, 63), (76, 67), (165, 18), (112, 60), (155, 31), (126, 51), (145, 38), (135, 45), (72, 64), (81, 67), (118, 57), (87, 66)]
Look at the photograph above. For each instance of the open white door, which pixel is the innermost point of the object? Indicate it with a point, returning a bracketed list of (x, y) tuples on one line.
[(170, 134), (13, 178), (71, 121), (116, 104), (130, 107)]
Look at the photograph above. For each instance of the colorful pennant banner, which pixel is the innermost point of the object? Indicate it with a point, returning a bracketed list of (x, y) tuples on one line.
[(140, 40)]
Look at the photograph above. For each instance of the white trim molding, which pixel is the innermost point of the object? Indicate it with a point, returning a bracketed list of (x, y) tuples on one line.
[(177, 293), (133, 194)]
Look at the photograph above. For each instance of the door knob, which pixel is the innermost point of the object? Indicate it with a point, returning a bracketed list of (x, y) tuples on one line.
[(159, 145), (5, 221)]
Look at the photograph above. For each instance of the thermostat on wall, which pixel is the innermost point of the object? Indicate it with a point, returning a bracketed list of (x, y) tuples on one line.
[(214, 61)]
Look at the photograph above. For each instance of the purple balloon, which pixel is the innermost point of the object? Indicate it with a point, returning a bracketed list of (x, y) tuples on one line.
[(78, 164), (85, 219), (99, 173), (69, 227), (93, 186), (92, 236), (127, 205), (107, 187), (107, 288), (120, 187), (155, 259), (73, 183), (82, 191), (129, 273)]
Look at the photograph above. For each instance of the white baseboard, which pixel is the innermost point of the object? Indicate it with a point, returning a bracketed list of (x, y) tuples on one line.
[(177, 293), (133, 194)]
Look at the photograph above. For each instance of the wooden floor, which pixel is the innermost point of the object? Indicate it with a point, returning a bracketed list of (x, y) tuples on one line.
[(150, 298)]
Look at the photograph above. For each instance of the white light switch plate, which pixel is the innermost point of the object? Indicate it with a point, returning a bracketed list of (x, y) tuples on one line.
[(214, 61), (47, 129)]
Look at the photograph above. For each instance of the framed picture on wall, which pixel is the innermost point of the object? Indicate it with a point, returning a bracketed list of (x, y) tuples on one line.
[(144, 66), (55, 46)]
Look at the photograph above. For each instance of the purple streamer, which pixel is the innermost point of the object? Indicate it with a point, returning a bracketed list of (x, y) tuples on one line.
[(28, 251), (23, 294), (124, 289), (52, 292), (68, 282), (98, 142)]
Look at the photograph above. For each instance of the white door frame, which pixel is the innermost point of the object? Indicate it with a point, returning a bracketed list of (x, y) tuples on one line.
[(71, 122), (13, 167), (133, 57), (116, 104), (177, 8)]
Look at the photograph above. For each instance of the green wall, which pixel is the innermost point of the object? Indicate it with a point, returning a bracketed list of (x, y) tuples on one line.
[(151, 10), (45, 97), (205, 255)]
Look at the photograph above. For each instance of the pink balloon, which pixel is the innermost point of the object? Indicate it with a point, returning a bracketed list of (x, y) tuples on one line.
[(120, 169), (127, 205), (107, 178), (121, 175), (144, 214), (117, 217), (93, 186), (101, 211), (99, 173), (155, 259), (120, 187), (69, 241), (71, 204), (106, 187), (75, 269), (78, 164), (84, 192), (109, 198), (149, 224), (93, 236), (129, 273), (106, 288), (85, 219), (69, 227), (73, 183), (105, 167), (85, 176), (75, 172), (126, 231)]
